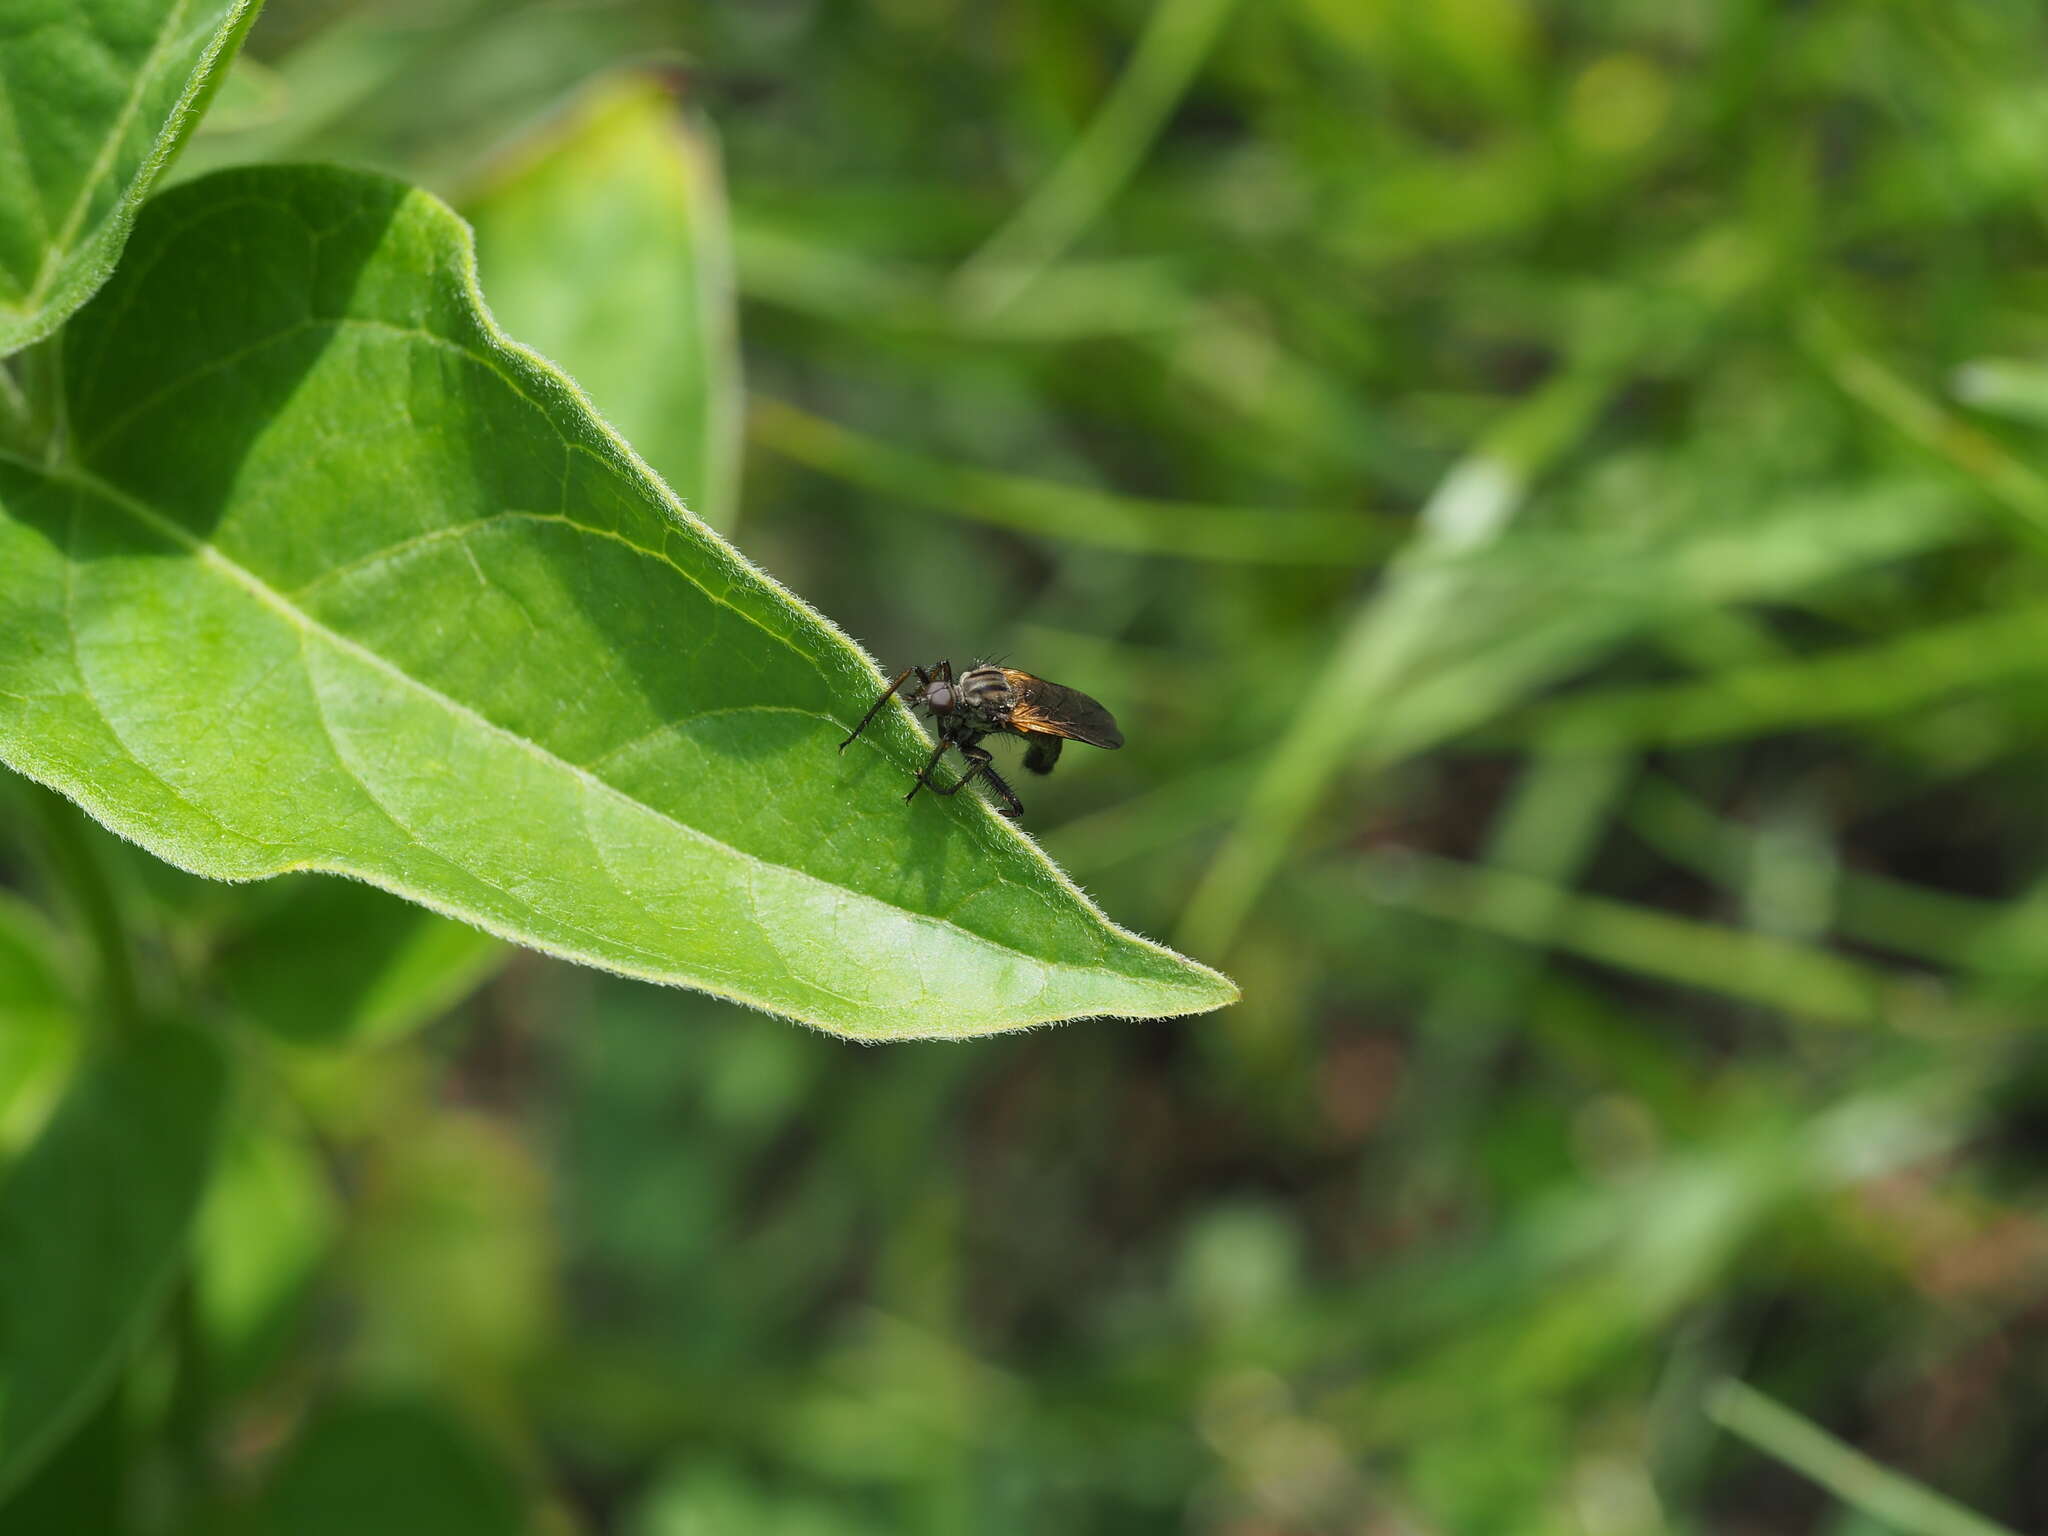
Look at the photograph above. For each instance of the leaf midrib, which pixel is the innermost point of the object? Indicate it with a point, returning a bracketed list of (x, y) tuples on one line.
[(168, 528)]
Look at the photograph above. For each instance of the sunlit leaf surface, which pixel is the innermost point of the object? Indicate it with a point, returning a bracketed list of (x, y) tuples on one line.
[(96, 94), (331, 576)]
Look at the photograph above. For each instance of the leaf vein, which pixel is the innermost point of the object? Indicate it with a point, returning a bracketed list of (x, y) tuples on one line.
[(85, 692), (174, 532), (488, 364), (384, 809)]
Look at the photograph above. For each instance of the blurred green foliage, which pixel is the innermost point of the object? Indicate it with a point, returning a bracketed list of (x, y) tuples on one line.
[(1550, 492)]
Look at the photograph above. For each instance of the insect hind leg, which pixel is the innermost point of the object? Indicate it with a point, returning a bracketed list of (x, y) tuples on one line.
[(983, 766), (1014, 807)]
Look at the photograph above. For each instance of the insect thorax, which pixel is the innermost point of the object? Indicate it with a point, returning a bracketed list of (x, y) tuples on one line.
[(986, 696)]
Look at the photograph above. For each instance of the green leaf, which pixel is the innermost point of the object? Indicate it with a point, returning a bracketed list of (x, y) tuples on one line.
[(93, 1221), (332, 576), (603, 245), (97, 95), (400, 1469)]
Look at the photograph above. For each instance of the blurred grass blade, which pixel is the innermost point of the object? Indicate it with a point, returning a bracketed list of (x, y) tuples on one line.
[(340, 579), (1155, 820), (2004, 387), (1548, 832), (1999, 942), (1795, 979), (1540, 605), (2015, 487), (1378, 649), (1445, 646), (1915, 921), (1518, 629), (1077, 299), (1870, 682), (93, 1223), (1047, 509), (1879, 1492), (1176, 40), (97, 98), (603, 245)]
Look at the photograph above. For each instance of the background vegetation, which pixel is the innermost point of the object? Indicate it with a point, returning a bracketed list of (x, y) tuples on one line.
[(1549, 491)]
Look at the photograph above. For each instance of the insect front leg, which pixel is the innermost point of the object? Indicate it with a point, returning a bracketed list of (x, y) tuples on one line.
[(876, 706), (924, 774)]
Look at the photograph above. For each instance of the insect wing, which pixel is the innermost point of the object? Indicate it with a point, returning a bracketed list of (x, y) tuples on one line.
[(1047, 709)]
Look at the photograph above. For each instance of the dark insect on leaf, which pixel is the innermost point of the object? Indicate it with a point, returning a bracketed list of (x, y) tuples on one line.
[(989, 700)]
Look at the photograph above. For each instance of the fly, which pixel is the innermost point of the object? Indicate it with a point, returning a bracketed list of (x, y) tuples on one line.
[(988, 700)]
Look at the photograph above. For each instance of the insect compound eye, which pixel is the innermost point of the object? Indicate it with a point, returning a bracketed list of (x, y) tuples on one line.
[(940, 697)]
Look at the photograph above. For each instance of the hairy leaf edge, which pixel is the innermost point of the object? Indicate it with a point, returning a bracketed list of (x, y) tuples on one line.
[(40, 317), (1222, 990)]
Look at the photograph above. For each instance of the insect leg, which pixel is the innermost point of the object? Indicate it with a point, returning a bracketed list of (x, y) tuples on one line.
[(924, 774), (983, 766), (886, 692), (1015, 807)]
